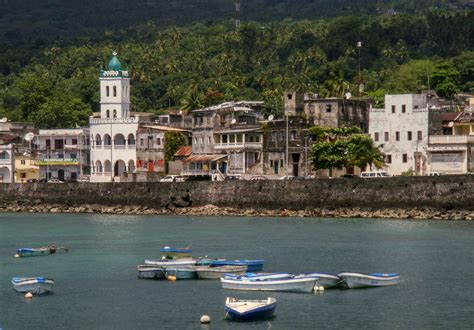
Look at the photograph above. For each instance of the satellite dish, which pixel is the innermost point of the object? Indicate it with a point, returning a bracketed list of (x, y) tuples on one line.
[(29, 136), (233, 121), (348, 95), (270, 118), (450, 124), (180, 112), (4, 120)]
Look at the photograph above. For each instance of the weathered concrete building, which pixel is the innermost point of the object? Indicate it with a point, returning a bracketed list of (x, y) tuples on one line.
[(7, 163), (402, 129)]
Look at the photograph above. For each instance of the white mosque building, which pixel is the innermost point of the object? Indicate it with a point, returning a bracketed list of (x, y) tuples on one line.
[(113, 134)]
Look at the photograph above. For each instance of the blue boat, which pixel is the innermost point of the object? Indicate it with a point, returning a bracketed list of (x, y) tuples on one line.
[(175, 253), (181, 272), (245, 310), (252, 265)]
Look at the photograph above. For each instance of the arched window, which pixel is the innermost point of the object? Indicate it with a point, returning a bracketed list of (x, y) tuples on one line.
[(107, 113), (115, 90), (115, 113), (107, 92)]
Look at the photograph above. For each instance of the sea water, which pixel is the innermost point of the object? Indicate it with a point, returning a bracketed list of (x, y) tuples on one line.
[(97, 285)]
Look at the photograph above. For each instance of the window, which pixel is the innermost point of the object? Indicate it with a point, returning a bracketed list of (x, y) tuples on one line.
[(274, 136), (386, 136), (58, 144), (107, 113), (404, 108), (405, 158), (74, 141), (48, 143), (409, 136), (195, 140), (376, 136), (115, 113), (73, 156), (23, 162), (107, 91), (224, 138), (393, 109), (23, 175), (420, 136), (388, 159), (328, 108), (397, 136), (293, 136), (271, 162), (158, 141), (281, 163), (209, 140), (290, 96), (115, 90), (202, 140), (142, 142)]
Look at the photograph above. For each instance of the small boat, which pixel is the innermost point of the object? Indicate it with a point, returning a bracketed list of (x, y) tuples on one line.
[(181, 272), (252, 265), (360, 280), (326, 280), (295, 284), (35, 285), (243, 310), (175, 253), (150, 272), (34, 252), (210, 273), (168, 262)]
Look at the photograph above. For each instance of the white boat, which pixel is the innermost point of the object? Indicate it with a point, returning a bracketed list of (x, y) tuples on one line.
[(295, 284), (260, 276), (326, 280), (209, 273), (35, 285), (150, 272), (244, 310), (360, 280), (175, 262)]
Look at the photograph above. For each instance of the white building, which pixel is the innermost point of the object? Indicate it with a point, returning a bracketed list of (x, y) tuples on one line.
[(402, 129), (63, 153), (113, 135), (7, 162)]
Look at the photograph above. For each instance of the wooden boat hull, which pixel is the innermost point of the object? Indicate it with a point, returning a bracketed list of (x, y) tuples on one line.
[(35, 285), (214, 273), (181, 273), (252, 265), (171, 263), (360, 280), (150, 272), (35, 252), (285, 285), (326, 280), (241, 310)]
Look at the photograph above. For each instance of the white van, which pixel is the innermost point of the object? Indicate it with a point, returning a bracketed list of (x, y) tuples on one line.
[(375, 174)]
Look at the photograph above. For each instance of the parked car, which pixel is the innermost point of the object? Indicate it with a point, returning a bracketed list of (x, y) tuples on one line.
[(435, 174), (288, 177), (375, 174), (259, 177), (54, 180), (173, 178), (233, 177)]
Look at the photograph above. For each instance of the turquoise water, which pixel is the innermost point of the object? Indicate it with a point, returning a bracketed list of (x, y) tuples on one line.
[(97, 285)]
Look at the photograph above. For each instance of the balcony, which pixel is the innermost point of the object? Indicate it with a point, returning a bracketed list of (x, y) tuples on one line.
[(449, 142), (5, 161), (238, 145)]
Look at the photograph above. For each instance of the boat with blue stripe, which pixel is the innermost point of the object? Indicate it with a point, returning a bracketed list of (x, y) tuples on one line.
[(252, 265), (361, 280), (326, 280), (35, 285), (246, 310)]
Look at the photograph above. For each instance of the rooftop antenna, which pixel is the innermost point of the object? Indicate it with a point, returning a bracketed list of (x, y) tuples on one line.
[(237, 14)]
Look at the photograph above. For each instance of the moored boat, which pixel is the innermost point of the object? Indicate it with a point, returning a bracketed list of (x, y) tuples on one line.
[(209, 273), (361, 280), (34, 252), (35, 285), (243, 310), (326, 280), (150, 272), (260, 276), (295, 284), (175, 253), (181, 272), (168, 262), (252, 265)]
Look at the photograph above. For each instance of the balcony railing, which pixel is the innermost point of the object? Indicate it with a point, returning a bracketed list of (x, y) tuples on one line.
[(5, 161), (238, 145), (451, 139)]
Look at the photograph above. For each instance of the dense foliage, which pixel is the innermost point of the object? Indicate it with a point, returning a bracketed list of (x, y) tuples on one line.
[(343, 147), (203, 64)]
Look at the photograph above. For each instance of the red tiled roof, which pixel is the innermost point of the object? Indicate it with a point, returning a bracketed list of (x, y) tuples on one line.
[(184, 151), (204, 158)]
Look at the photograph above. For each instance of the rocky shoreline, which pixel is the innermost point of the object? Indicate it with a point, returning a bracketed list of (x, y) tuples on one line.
[(212, 210)]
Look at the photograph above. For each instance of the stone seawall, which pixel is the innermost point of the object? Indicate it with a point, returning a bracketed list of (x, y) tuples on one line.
[(328, 197)]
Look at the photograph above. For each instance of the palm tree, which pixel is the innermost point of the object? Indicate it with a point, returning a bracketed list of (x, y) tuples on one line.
[(364, 152)]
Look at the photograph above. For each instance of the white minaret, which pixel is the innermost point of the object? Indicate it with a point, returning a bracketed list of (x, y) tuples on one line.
[(114, 91)]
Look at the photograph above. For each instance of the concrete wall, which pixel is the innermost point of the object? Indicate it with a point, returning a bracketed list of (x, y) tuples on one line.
[(443, 193)]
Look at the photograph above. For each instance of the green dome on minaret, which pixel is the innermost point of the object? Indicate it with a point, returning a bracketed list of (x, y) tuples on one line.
[(114, 63)]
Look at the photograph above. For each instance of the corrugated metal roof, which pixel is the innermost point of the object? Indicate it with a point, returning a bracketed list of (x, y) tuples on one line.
[(204, 158), (184, 151), (451, 116)]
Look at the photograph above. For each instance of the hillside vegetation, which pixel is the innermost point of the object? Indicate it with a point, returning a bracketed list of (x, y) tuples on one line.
[(56, 85)]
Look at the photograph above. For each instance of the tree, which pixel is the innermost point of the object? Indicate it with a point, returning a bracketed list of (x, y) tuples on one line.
[(446, 79), (363, 152), (173, 141)]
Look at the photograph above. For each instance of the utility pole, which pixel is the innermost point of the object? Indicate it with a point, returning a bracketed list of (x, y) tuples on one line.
[(237, 14), (360, 81), (287, 161)]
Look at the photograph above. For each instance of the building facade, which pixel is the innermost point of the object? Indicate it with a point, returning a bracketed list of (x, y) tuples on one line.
[(113, 133), (26, 167), (7, 163), (63, 153), (402, 129)]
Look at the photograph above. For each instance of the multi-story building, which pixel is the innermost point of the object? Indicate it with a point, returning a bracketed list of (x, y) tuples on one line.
[(113, 134), (26, 168), (226, 138), (63, 153), (7, 163), (402, 128)]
